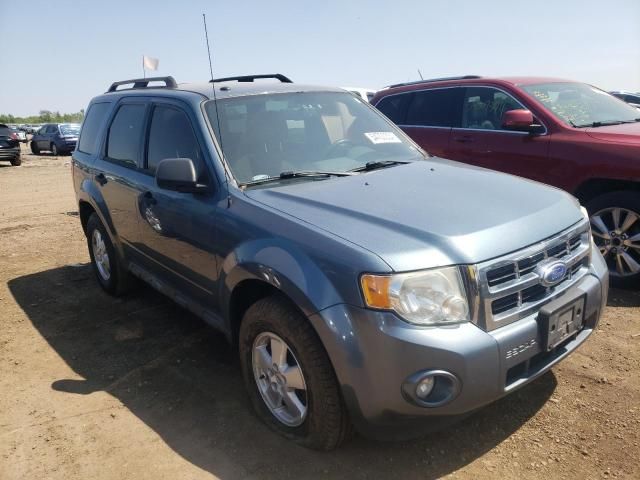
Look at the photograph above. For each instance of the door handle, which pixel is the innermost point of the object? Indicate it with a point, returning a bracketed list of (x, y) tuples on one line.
[(101, 179), (464, 139), (148, 198)]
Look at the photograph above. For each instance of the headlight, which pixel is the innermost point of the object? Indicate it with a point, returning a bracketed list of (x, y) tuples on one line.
[(430, 297)]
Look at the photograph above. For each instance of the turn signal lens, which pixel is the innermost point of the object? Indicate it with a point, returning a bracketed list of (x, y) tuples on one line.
[(376, 290)]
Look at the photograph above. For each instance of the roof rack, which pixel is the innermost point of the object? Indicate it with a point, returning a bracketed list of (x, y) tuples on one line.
[(429, 80), (169, 82), (251, 78)]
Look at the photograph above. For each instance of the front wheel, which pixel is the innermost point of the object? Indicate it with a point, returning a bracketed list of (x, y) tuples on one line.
[(289, 377), (615, 224), (16, 161), (54, 150), (34, 148)]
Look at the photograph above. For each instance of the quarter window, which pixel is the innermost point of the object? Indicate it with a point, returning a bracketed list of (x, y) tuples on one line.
[(394, 107), (91, 127), (171, 136), (434, 108), (125, 132), (483, 108)]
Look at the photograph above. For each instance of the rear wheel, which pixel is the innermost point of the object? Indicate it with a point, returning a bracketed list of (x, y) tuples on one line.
[(289, 377), (17, 161), (113, 278), (54, 150), (34, 148), (615, 223)]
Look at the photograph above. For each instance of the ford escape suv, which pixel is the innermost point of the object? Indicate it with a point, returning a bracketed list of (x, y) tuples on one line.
[(364, 283), (567, 134)]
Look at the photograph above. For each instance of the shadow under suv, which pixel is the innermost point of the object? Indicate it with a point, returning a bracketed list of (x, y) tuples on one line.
[(364, 283), (567, 134)]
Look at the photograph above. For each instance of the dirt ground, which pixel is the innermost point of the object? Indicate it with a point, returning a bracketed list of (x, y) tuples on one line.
[(93, 387)]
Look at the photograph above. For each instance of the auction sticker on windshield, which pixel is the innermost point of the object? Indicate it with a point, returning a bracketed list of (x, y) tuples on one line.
[(382, 137)]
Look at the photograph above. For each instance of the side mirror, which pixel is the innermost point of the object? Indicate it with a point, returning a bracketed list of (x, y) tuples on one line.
[(178, 174), (519, 120)]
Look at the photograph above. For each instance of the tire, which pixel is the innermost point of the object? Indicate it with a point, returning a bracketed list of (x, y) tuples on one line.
[(54, 150), (618, 238), (34, 148), (325, 424), (113, 278), (17, 161)]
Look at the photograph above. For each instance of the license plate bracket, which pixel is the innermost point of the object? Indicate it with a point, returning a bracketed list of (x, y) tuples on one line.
[(558, 325)]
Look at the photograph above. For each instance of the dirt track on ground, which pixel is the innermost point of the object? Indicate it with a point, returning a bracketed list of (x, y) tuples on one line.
[(93, 387)]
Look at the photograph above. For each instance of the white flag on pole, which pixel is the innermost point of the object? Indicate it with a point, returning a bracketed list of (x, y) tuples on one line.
[(150, 63)]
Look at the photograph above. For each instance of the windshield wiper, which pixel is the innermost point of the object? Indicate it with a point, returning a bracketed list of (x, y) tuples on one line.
[(378, 164), (299, 174), (606, 123)]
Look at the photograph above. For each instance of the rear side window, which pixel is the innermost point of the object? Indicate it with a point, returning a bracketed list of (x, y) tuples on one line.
[(394, 107), (125, 133), (91, 127), (483, 108), (434, 108), (171, 136)]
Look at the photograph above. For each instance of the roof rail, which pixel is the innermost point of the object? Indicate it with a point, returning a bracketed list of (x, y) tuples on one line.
[(442, 79), (251, 78), (169, 82)]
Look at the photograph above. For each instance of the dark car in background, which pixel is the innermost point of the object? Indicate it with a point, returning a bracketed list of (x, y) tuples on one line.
[(631, 98), (567, 134), (57, 138), (9, 145)]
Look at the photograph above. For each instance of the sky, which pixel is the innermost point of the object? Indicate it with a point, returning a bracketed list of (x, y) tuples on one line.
[(58, 54)]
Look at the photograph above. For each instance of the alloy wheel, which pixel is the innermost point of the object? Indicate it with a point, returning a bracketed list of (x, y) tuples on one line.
[(279, 379), (100, 255), (616, 232)]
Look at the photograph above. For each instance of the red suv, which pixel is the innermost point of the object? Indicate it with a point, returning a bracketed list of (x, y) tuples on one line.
[(571, 135)]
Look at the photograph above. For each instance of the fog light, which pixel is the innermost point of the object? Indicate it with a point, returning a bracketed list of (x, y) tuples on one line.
[(424, 388)]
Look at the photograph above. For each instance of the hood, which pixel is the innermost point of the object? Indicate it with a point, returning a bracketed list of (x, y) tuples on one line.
[(429, 213), (626, 133)]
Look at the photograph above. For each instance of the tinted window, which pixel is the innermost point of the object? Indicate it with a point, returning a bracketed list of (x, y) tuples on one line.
[(434, 108), (123, 142), (394, 107), (483, 108), (91, 127), (632, 98), (171, 136)]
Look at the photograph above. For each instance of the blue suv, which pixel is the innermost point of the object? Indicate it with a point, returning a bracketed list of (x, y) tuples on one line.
[(58, 138), (364, 283)]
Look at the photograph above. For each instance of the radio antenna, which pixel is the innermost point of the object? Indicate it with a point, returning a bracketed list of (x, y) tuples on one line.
[(215, 102)]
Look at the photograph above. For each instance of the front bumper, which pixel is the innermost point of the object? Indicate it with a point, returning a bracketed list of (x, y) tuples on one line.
[(373, 353)]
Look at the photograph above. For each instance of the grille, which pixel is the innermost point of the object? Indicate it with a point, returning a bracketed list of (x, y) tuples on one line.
[(511, 288)]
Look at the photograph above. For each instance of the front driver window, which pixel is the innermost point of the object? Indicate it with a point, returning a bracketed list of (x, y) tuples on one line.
[(484, 106)]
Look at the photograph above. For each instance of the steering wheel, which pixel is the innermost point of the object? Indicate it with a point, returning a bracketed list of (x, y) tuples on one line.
[(338, 145)]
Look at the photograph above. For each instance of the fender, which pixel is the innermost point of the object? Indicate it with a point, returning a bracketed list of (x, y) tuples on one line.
[(283, 266), (90, 193)]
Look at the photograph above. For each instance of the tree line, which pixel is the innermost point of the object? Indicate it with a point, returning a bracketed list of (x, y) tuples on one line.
[(44, 116)]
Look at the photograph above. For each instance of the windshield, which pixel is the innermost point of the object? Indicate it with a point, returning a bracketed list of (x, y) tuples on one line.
[(70, 129), (266, 135), (581, 105)]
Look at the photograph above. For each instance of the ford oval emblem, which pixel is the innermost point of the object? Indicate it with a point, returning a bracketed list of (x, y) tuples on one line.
[(552, 273)]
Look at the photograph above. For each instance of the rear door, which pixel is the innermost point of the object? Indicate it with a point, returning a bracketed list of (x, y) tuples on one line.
[(117, 172), (178, 229), (482, 141), (431, 114)]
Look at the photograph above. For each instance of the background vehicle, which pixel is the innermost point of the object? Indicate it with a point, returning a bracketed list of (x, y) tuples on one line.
[(631, 98), (364, 93), (570, 135), (9, 145), (58, 138), (20, 134)]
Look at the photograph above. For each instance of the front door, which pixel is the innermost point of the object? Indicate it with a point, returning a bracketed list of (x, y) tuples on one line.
[(178, 229)]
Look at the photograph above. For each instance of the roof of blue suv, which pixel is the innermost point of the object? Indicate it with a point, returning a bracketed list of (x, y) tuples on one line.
[(227, 89)]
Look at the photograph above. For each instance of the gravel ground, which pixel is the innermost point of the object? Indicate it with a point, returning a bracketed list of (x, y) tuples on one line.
[(97, 387)]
